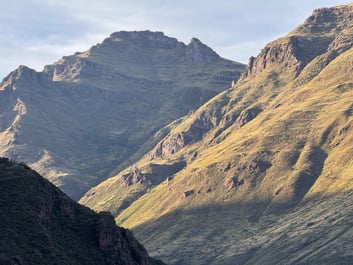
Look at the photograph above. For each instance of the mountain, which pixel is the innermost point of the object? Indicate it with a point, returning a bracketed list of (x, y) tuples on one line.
[(90, 114), (41, 225), (261, 173)]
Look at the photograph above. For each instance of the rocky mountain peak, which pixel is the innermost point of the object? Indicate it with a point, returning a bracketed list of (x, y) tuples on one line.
[(22, 70), (328, 15), (21, 74), (196, 51), (286, 51), (327, 30), (140, 47), (146, 38)]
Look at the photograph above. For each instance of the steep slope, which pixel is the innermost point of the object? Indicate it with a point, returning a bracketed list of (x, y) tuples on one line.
[(90, 114), (267, 163), (41, 225)]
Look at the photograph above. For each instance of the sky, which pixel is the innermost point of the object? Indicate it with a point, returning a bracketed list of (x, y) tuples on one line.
[(39, 32)]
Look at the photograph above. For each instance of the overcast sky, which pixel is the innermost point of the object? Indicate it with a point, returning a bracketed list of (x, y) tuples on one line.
[(39, 32)]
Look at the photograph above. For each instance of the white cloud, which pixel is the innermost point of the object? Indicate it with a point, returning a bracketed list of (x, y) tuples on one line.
[(39, 32)]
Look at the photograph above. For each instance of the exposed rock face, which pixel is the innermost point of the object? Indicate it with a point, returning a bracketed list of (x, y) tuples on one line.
[(188, 193), (194, 132), (151, 174), (297, 50), (233, 183), (170, 146), (196, 51), (119, 245), (134, 177), (90, 114), (322, 16), (247, 115), (148, 39), (41, 225)]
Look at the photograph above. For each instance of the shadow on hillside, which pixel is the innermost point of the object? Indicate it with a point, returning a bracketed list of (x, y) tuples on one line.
[(310, 163), (227, 233)]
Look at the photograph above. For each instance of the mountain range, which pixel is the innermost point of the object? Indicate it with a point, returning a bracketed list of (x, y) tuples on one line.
[(261, 173), (210, 162), (87, 116)]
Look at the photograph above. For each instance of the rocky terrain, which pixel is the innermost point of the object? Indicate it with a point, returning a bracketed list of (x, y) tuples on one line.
[(93, 113), (259, 174), (212, 162), (41, 225)]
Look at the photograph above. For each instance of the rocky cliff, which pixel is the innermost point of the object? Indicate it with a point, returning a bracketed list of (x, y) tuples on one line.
[(320, 37), (90, 114)]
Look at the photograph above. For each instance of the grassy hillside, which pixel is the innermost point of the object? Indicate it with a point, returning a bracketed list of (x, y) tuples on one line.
[(264, 160)]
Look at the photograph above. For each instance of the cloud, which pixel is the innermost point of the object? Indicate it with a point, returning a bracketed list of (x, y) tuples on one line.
[(39, 32)]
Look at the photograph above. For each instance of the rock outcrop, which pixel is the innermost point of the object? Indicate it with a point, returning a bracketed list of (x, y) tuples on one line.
[(198, 52), (204, 122), (247, 115), (119, 245), (298, 49)]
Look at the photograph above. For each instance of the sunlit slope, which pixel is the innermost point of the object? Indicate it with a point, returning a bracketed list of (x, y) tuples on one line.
[(270, 148), (299, 145)]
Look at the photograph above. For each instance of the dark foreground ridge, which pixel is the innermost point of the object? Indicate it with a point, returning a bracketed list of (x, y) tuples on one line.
[(41, 225)]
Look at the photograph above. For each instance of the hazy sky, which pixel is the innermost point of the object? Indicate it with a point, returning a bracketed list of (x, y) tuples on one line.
[(39, 32)]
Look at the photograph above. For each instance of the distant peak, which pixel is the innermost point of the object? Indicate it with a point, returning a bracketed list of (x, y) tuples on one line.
[(324, 32), (146, 39), (22, 71), (341, 13), (342, 8), (136, 35), (199, 52), (195, 41)]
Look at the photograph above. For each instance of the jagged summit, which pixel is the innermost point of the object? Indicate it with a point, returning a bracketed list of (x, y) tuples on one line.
[(136, 35), (341, 13), (147, 38), (199, 52), (195, 50), (327, 31), (140, 47), (21, 71)]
